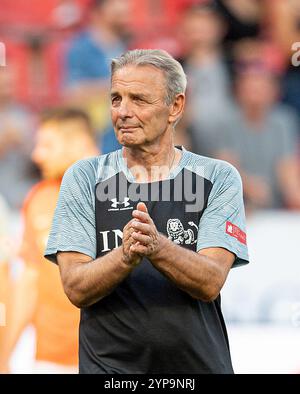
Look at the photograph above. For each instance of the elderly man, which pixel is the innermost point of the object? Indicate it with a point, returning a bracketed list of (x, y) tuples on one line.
[(145, 236)]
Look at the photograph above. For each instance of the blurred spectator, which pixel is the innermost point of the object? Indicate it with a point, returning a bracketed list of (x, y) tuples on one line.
[(260, 138), (255, 52), (278, 23), (281, 24), (88, 61), (280, 27), (16, 135), (243, 18), (201, 33), (64, 136), (286, 29)]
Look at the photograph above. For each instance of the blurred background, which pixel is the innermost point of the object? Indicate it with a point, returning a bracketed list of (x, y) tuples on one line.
[(243, 106)]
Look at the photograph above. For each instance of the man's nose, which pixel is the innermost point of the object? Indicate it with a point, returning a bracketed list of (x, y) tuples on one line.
[(125, 109)]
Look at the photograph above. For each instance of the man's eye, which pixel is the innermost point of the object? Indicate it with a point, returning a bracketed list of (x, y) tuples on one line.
[(115, 100), (138, 99)]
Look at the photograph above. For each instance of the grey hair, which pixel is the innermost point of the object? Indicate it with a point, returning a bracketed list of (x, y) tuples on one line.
[(175, 77)]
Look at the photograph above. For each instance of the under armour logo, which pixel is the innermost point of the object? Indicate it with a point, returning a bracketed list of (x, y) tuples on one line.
[(115, 204)]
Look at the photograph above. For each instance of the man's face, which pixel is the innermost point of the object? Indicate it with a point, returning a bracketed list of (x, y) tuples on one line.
[(139, 113), (116, 14), (201, 28), (50, 153), (256, 90)]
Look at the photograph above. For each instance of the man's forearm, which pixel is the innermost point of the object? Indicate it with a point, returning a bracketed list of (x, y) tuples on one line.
[(196, 274), (87, 282)]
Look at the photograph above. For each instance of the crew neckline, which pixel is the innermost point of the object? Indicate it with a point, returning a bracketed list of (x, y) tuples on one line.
[(172, 174)]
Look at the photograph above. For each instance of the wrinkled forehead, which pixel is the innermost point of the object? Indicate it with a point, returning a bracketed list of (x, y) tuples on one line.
[(145, 77)]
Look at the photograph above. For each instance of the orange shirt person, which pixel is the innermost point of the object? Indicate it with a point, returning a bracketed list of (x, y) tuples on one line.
[(64, 136)]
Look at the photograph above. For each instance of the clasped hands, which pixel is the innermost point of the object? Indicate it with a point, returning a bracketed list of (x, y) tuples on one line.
[(140, 237)]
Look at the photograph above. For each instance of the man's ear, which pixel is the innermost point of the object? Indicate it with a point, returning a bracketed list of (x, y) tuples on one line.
[(176, 108)]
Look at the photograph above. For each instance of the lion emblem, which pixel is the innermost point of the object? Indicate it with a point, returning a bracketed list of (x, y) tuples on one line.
[(178, 234)]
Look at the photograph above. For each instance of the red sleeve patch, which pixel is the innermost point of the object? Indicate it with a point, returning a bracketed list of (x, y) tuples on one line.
[(236, 232)]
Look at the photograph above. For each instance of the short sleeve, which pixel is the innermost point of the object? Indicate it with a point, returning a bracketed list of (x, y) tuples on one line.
[(73, 226), (223, 221)]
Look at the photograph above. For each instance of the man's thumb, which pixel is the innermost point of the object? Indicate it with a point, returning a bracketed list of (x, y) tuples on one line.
[(142, 207)]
